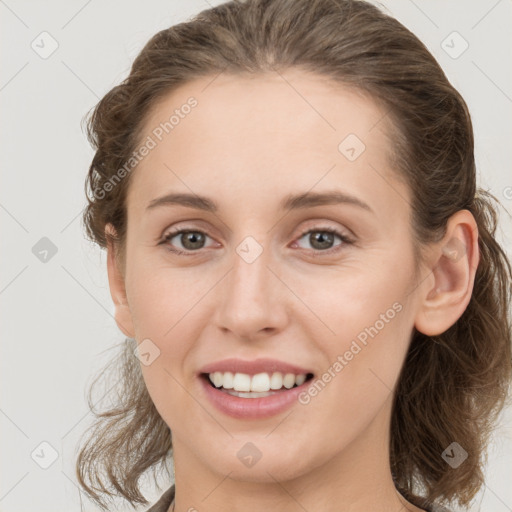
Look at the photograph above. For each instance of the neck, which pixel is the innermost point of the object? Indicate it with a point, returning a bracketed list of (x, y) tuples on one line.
[(357, 479)]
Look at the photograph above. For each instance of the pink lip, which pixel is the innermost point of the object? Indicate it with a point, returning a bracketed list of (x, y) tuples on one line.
[(251, 408), (253, 367)]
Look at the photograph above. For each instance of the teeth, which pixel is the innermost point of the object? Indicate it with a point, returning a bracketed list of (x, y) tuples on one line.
[(300, 379), (241, 382), (260, 383)]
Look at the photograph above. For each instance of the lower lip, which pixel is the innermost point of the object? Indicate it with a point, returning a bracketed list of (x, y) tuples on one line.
[(252, 408)]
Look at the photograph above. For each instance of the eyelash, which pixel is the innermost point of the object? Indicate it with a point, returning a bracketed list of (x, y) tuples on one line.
[(346, 240)]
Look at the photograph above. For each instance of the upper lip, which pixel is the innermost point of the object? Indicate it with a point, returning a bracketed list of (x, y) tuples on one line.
[(253, 367)]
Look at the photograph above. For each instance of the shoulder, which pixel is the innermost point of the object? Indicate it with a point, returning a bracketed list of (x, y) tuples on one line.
[(163, 504)]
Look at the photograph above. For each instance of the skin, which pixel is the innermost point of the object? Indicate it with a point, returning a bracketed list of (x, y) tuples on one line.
[(248, 144)]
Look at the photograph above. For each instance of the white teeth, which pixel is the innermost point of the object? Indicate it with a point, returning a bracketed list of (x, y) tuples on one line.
[(260, 382), (300, 379), (242, 382), (217, 379), (289, 380), (227, 382), (276, 381)]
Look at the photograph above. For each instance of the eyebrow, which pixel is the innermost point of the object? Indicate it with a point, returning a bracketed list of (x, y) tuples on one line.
[(290, 202)]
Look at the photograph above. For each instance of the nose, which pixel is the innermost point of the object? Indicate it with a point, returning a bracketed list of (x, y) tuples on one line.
[(252, 300)]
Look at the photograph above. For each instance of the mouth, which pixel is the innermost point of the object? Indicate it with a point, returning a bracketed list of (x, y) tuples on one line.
[(259, 385)]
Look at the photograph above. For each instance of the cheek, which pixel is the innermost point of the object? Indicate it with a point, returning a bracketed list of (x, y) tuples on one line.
[(364, 359), (162, 308), (354, 302), (161, 297), (165, 319), (366, 323)]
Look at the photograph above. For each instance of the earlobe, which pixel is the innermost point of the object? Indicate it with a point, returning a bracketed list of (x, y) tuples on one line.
[(117, 287), (446, 294)]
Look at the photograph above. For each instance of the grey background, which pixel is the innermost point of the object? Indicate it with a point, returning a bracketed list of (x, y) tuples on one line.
[(57, 323)]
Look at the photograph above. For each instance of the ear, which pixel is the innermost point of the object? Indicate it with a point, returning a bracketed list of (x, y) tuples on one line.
[(116, 281), (447, 291)]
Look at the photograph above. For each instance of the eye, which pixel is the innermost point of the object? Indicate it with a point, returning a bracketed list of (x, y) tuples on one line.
[(190, 239), (321, 239)]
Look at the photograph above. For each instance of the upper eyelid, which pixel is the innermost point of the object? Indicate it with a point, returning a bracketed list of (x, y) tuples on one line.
[(310, 225), (313, 227)]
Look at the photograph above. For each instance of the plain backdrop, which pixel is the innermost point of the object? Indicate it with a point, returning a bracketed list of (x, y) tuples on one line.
[(58, 58)]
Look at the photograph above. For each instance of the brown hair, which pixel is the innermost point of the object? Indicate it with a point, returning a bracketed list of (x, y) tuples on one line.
[(452, 386)]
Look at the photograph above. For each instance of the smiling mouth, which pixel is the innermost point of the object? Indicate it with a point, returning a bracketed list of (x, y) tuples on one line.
[(255, 386)]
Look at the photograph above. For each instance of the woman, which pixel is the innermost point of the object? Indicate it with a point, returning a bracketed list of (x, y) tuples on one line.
[(315, 304)]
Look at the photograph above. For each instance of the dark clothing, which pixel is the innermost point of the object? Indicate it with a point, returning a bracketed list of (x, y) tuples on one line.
[(163, 504)]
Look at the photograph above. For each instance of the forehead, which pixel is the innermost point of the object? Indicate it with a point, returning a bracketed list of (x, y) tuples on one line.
[(262, 132)]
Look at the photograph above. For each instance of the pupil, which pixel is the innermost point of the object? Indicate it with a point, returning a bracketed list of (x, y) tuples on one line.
[(323, 238), (191, 239)]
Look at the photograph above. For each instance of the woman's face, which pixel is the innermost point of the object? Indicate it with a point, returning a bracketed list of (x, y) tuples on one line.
[(282, 161)]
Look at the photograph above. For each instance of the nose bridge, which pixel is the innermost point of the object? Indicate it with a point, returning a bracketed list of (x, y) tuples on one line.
[(250, 300), (251, 274)]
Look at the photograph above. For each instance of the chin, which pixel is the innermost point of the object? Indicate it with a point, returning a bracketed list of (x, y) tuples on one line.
[(259, 461)]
